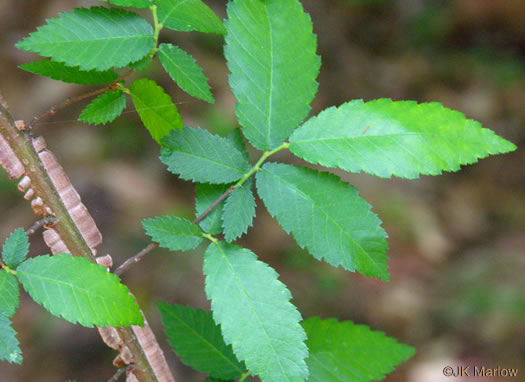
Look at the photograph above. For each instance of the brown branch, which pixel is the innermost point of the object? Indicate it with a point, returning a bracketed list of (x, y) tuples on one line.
[(215, 204), (135, 259), (39, 224), (42, 185), (54, 109)]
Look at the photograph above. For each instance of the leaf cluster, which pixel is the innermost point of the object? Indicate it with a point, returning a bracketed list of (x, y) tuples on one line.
[(270, 48)]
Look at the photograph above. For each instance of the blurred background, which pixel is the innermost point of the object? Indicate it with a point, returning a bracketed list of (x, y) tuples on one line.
[(457, 241)]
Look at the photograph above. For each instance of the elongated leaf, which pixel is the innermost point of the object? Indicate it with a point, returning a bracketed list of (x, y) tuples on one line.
[(270, 48), (326, 216), (173, 232), (9, 294), (196, 338), (59, 71), (183, 69), (343, 351), (188, 15), (156, 110), (96, 38), (9, 345), (105, 108), (206, 195), (79, 291), (195, 154), (131, 3), (15, 248), (238, 211), (255, 313), (386, 138)]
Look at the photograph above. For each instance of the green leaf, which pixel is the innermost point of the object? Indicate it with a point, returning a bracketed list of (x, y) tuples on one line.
[(156, 110), (105, 108), (96, 38), (254, 310), (183, 69), (238, 211), (206, 195), (9, 346), (196, 338), (326, 216), (188, 15), (343, 351), (9, 294), (131, 3), (79, 291), (386, 138), (270, 48), (173, 232), (211, 379), (236, 138), (141, 64), (59, 71), (196, 154), (15, 248)]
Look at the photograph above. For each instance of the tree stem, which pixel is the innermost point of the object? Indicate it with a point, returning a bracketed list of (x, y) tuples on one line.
[(23, 148)]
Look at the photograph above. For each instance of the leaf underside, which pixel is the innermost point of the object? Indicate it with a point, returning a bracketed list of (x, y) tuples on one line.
[(60, 72), (183, 69), (79, 291), (387, 138), (96, 38), (238, 211), (206, 195), (254, 310), (9, 294), (325, 215), (173, 232), (343, 351), (156, 109), (188, 15), (196, 154), (9, 345), (105, 108), (271, 53), (196, 338)]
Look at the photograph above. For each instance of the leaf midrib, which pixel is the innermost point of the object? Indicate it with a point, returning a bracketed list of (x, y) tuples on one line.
[(308, 198), (214, 348), (252, 308)]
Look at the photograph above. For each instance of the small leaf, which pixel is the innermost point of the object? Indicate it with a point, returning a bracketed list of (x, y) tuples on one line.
[(173, 232), (271, 53), (254, 310), (105, 108), (238, 211), (343, 351), (156, 110), (9, 345), (131, 3), (196, 338), (206, 195), (387, 138), (79, 291), (195, 154), (60, 72), (15, 248), (326, 216), (183, 69), (188, 15), (9, 294), (96, 38)]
